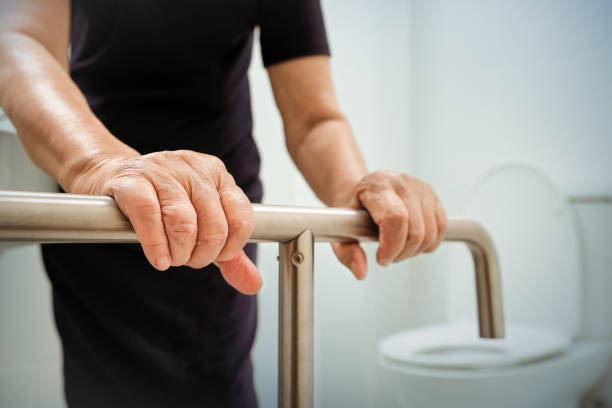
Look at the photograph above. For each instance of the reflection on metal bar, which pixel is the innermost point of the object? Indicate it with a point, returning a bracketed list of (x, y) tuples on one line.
[(43, 217)]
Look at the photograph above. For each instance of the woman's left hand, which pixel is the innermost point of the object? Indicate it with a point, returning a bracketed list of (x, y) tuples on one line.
[(409, 216)]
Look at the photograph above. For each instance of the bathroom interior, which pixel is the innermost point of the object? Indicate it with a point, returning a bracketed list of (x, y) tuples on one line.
[(505, 108)]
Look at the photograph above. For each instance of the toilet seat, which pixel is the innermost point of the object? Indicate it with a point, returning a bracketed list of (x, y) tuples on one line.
[(457, 346)]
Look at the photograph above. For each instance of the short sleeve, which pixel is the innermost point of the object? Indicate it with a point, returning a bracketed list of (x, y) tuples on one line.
[(291, 29)]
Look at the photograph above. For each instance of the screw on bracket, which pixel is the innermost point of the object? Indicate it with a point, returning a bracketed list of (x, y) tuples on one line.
[(297, 258)]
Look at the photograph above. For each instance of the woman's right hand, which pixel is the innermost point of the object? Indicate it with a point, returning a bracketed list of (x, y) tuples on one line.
[(185, 207)]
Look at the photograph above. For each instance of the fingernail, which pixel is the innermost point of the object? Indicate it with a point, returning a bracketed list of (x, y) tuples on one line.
[(163, 263)]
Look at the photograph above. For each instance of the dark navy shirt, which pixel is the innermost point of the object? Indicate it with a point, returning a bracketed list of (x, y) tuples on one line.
[(165, 75)]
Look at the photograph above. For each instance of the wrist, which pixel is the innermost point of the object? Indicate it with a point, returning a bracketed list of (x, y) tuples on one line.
[(88, 173), (343, 194)]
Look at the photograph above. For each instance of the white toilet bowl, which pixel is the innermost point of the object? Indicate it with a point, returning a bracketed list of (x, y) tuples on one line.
[(448, 366), (456, 346), (553, 353)]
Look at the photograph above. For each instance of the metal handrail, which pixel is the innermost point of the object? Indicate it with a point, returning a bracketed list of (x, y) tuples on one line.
[(48, 217)]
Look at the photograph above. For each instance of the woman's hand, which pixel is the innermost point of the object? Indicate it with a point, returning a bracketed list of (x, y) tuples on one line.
[(185, 207), (409, 215)]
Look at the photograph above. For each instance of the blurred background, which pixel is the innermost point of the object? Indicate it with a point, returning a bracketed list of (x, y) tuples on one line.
[(440, 89)]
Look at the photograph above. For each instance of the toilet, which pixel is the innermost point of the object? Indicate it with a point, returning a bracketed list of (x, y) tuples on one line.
[(556, 272)]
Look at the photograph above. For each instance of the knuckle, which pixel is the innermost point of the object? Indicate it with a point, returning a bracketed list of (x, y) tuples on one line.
[(188, 156), (395, 218), (429, 240), (127, 180), (405, 178), (242, 227), (144, 212), (179, 221), (377, 174), (396, 215), (204, 191), (211, 168), (235, 195), (217, 163), (212, 239), (394, 175), (158, 157), (372, 187), (183, 153), (136, 202), (428, 191), (417, 236), (376, 180), (145, 205), (179, 229), (220, 228)]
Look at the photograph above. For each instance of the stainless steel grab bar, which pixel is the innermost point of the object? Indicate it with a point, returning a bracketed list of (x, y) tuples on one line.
[(45, 217)]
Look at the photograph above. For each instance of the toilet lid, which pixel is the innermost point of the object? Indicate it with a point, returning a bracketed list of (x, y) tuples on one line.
[(457, 346), (534, 231)]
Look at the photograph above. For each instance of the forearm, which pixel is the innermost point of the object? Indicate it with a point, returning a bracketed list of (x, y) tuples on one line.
[(329, 158), (318, 137), (57, 128)]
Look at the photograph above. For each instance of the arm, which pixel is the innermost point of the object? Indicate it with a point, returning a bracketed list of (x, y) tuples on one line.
[(53, 120), (184, 206), (317, 134), (320, 142)]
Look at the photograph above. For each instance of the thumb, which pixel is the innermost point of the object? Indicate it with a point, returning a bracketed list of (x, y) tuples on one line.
[(352, 256), (241, 274)]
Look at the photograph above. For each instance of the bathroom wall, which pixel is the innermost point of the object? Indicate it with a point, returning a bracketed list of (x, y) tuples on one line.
[(496, 81), (521, 80)]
